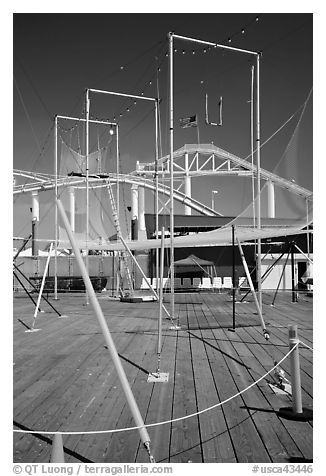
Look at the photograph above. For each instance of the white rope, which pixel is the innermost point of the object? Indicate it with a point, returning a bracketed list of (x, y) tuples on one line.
[(118, 430), (306, 345)]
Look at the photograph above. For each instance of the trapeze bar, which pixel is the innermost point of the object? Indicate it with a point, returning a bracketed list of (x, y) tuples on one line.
[(122, 94), (89, 120), (215, 45)]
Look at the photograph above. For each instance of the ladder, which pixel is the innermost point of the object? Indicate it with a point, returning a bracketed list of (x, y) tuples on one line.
[(123, 256)]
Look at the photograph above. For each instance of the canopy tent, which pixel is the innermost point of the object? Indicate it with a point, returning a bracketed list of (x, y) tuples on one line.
[(193, 266)]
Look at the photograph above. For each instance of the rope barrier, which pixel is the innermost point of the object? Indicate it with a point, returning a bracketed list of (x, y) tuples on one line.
[(306, 345), (148, 425)]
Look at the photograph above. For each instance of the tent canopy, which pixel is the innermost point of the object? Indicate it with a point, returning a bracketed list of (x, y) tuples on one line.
[(192, 260)]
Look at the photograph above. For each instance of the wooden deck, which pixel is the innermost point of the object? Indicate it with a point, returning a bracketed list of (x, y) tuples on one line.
[(64, 380)]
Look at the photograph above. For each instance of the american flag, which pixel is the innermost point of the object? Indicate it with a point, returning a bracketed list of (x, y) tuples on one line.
[(188, 121)]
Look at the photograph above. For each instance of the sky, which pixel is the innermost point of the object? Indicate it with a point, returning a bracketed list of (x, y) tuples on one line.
[(57, 56)]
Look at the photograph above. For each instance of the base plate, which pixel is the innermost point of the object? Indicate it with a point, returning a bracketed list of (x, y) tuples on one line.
[(175, 328), (32, 330), (158, 377), (138, 299), (279, 391), (289, 414), (63, 316)]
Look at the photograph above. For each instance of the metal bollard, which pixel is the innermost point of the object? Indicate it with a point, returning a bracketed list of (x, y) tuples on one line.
[(296, 412), (295, 370)]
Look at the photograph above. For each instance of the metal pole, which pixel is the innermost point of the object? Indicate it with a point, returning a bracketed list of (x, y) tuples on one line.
[(171, 173), (252, 142), (55, 208), (295, 370), (308, 237), (260, 300), (215, 45), (159, 340), (118, 171), (87, 181), (294, 294), (156, 188), (106, 333), (42, 286), (233, 279), (57, 453)]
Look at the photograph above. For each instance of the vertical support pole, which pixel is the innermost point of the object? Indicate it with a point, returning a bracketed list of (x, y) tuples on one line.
[(141, 214), (35, 220), (107, 335), (294, 294), (187, 182), (72, 208), (260, 299), (308, 237), (156, 188), (296, 412), (271, 199), (56, 208), (295, 369), (87, 182), (252, 142), (171, 172), (134, 201), (233, 279), (159, 340), (118, 170), (308, 244)]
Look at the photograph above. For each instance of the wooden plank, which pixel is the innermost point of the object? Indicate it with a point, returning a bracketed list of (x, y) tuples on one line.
[(245, 438), (216, 442), (185, 438)]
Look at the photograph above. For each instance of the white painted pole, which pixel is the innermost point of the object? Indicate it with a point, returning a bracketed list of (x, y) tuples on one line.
[(260, 297), (35, 206), (141, 214), (271, 199), (35, 221), (55, 208), (42, 285), (87, 183), (170, 36), (57, 453), (187, 182), (118, 171), (215, 45), (159, 341), (72, 208), (252, 143), (106, 332), (156, 188), (295, 370), (134, 201)]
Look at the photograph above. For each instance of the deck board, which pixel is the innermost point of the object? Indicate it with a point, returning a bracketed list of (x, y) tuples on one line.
[(65, 380)]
